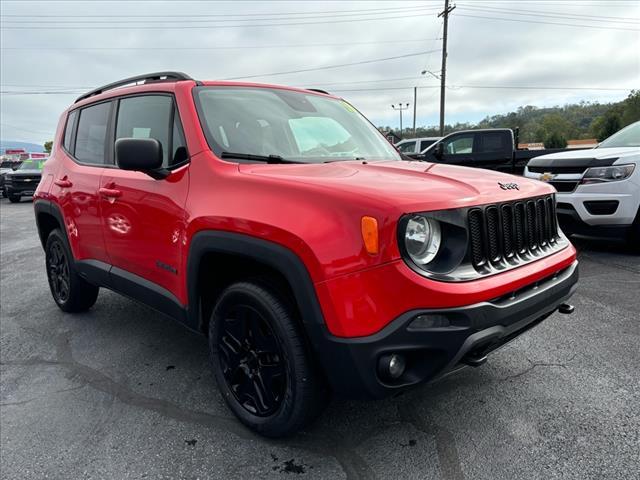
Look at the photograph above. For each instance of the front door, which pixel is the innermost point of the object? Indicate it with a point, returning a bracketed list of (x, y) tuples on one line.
[(143, 218)]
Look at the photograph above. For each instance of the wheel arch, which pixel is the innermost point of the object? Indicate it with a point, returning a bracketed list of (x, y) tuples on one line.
[(242, 257), (48, 218)]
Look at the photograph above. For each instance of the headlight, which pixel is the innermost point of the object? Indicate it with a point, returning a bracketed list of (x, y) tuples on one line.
[(422, 239), (607, 174)]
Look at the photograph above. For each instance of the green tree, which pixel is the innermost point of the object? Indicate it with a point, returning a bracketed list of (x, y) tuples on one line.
[(631, 108), (605, 126), (48, 146), (555, 140)]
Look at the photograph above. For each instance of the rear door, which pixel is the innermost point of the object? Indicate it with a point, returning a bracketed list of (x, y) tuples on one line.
[(76, 183), (494, 150), (143, 218)]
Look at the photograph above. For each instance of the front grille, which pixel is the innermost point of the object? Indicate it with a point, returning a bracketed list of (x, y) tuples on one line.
[(564, 186), (510, 233), (23, 180)]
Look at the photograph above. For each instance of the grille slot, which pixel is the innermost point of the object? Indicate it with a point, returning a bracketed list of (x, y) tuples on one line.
[(512, 231), (492, 234), (475, 233)]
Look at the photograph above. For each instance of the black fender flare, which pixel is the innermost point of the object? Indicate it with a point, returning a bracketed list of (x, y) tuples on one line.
[(48, 207), (271, 254)]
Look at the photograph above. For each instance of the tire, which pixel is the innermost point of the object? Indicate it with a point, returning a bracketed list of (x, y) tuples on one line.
[(634, 235), (71, 292), (14, 198), (261, 362)]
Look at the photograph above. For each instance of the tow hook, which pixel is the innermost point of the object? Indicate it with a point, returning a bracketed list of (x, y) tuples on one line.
[(566, 309)]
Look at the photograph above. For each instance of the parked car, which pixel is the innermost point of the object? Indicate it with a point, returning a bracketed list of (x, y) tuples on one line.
[(281, 224), (22, 182), (6, 166), (415, 145), (493, 149), (598, 189)]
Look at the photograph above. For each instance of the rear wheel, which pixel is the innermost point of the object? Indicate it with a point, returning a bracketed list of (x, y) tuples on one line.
[(261, 362), (71, 292), (14, 198)]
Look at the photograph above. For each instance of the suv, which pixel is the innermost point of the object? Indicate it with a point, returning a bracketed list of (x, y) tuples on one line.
[(281, 224), (598, 189)]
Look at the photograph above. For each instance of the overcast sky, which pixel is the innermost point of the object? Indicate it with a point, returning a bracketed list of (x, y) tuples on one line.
[(61, 48)]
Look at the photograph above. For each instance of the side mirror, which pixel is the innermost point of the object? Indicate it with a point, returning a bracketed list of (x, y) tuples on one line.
[(439, 150), (141, 155)]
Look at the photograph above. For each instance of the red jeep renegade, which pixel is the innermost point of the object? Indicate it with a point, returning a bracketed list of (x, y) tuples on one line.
[(281, 224)]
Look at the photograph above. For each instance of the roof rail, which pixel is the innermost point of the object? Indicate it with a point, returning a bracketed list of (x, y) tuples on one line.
[(146, 78), (318, 90)]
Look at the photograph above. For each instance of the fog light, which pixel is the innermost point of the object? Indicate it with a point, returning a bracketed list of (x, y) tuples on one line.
[(392, 366), (423, 322)]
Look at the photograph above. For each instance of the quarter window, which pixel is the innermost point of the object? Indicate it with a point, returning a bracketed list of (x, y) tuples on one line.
[(68, 130), (92, 132)]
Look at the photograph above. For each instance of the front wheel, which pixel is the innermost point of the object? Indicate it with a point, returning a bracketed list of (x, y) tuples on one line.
[(71, 292), (14, 198), (261, 362)]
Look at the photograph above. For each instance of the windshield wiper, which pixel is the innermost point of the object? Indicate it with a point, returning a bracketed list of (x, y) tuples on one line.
[(257, 158)]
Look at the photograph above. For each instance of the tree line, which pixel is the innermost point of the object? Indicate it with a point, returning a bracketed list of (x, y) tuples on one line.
[(552, 126)]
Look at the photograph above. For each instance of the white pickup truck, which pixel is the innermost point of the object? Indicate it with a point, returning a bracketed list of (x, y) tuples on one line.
[(598, 189)]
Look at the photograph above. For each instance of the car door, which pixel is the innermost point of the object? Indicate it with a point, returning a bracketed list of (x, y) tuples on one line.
[(458, 149), (143, 218), (76, 184)]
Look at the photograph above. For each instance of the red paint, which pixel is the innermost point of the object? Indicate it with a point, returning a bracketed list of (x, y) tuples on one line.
[(132, 221)]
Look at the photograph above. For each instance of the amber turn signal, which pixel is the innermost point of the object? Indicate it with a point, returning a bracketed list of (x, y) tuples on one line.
[(369, 226)]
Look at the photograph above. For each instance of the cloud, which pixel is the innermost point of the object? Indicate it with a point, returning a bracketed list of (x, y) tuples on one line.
[(482, 52)]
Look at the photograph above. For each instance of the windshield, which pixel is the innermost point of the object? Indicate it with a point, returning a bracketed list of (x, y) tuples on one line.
[(31, 165), (296, 126), (627, 137)]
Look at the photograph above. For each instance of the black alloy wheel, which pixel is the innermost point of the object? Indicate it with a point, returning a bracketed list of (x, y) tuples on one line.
[(252, 361), (58, 270), (262, 363), (71, 292)]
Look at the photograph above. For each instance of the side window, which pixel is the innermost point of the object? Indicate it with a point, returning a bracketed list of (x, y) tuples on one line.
[(147, 117), (493, 142), (68, 130), (408, 147), (460, 144), (92, 132), (426, 143)]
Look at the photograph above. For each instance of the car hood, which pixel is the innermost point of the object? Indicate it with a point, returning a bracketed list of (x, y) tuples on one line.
[(29, 172), (410, 186), (597, 153)]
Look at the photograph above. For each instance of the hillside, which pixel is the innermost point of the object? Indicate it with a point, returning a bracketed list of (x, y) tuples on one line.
[(582, 120), (29, 147)]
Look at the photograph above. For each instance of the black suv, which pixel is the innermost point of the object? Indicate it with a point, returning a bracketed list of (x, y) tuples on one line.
[(23, 181)]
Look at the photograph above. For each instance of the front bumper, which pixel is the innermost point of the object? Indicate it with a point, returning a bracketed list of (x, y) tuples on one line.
[(23, 191), (475, 330)]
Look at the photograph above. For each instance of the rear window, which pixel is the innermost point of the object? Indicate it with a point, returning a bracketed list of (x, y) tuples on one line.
[(493, 142), (92, 132)]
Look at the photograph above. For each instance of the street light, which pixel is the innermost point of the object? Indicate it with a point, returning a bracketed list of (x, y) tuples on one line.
[(400, 108)]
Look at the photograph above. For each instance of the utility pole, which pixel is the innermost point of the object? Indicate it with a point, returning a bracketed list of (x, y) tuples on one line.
[(400, 108), (443, 73), (415, 102)]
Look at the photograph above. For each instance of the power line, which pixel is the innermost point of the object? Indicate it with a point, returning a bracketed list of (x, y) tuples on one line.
[(565, 17), (40, 23), (191, 27), (228, 47), (327, 67), (500, 9), (549, 23), (317, 12)]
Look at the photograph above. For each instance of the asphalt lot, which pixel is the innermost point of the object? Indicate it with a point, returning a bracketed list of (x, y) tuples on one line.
[(122, 392)]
